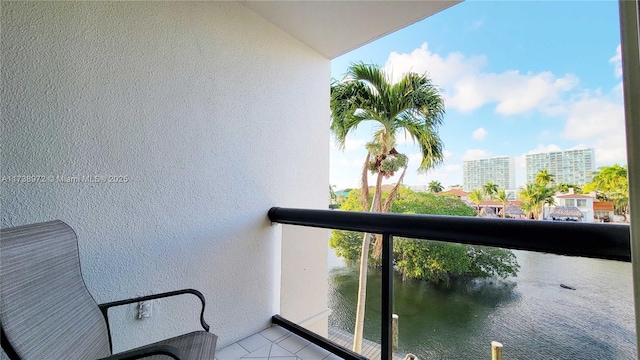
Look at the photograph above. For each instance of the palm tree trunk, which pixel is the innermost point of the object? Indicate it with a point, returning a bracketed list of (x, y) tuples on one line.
[(377, 251), (362, 284), (365, 183)]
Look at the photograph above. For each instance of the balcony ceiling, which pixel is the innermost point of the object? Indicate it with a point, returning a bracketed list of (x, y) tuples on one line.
[(335, 27)]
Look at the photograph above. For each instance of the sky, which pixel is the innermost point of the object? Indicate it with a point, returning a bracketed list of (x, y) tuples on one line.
[(518, 77)]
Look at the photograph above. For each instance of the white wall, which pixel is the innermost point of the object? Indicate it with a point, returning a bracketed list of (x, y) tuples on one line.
[(212, 113)]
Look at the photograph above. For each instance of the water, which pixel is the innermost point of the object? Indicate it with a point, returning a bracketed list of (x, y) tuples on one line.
[(531, 314)]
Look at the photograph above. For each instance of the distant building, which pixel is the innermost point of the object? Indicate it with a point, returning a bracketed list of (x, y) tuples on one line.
[(583, 202), (603, 211), (592, 210), (570, 166), (462, 195), (500, 170), (419, 188)]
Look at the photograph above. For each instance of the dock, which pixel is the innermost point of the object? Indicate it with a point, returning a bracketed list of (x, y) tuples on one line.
[(370, 349)]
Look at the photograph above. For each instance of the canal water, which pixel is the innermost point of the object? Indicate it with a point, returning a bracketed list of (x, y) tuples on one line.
[(530, 314)]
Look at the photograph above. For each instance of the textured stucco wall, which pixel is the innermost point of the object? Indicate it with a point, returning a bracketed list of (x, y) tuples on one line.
[(213, 114)]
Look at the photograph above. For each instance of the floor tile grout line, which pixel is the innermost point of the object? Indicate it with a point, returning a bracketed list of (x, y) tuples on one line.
[(304, 347), (270, 349)]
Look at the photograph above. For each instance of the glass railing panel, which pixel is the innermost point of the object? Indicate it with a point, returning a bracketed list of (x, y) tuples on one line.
[(556, 307), (344, 274)]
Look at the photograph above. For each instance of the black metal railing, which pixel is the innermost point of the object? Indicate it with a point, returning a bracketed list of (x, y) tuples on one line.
[(603, 241)]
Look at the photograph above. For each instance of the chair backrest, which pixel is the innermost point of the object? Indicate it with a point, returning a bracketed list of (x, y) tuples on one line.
[(46, 311)]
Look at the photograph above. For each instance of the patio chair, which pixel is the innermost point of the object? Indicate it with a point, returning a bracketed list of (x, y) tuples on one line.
[(46, 311)]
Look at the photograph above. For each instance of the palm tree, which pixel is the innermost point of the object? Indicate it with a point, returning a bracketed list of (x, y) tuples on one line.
[(543, 177), (503, 198), (534, 197), (529, 198), (476, 197), (613, 184), (435, 187), (548, 199), (564, 188), (411, 106), (490, 189)]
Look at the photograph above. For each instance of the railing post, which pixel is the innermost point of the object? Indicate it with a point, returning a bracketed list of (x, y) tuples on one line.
[(496, 350), (630, 42), (394, 325), (387, 296)]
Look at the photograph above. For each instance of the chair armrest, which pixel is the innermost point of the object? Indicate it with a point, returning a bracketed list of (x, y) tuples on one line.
[(146, 352), (105, 307)]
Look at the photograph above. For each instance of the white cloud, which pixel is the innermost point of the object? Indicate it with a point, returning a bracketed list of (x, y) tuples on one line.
[(545, 134), (578, 147), (404, 138), (415, 160), (441, 70), (476, 24), (473, 154), (544, 149), (446, 171), (521, 161), (593, 117), (479, 134), (616, 60), (598, 121), (447, 175), (466, 87), (354, 144)]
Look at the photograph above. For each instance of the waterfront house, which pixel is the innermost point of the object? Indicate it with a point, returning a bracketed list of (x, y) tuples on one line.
[(592, 209), (582, 202), (496, 206), (459, 193), (603, 211)]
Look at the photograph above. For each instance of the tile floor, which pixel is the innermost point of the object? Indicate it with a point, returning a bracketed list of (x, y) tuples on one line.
[(274, 343)]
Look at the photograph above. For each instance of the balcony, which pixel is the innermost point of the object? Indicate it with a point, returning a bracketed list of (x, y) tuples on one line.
[(584, 240)]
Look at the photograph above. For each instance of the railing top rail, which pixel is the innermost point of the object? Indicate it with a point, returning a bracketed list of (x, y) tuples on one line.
[(603, 241)]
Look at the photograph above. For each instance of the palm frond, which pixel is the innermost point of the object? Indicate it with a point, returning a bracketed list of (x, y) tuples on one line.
[(413, 104), (431, 146)]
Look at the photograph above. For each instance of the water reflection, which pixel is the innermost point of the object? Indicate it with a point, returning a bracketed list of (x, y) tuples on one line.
[(532, 315)]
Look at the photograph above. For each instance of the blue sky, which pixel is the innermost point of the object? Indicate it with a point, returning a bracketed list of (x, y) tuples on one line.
[(518, 77)]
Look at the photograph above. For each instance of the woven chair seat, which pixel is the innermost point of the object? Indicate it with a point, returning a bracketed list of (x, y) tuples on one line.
[(198, 345)]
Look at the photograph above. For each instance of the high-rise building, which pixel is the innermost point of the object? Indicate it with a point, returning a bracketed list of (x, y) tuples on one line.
[(570, 166), (500, 170)]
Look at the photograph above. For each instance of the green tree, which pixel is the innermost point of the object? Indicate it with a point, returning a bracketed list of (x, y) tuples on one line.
[(435, 187), (613, 185), (433, 261), (543, 177), (411, 106), (503, 199), (534, 197), (564, 188), (490, 189), (333, 198), (476, 196)]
